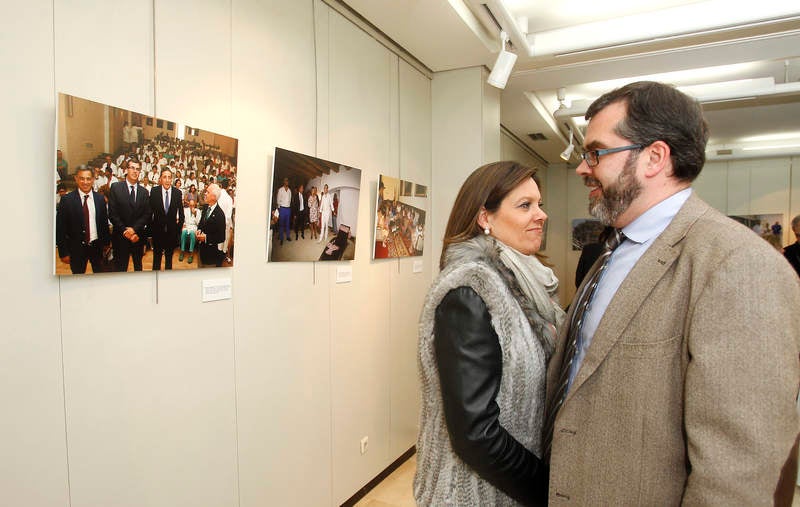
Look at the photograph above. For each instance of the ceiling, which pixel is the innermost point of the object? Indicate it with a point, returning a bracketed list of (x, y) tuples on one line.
[(748, 58)]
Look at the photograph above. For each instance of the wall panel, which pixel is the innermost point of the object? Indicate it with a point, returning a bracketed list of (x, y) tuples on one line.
[(361, 79), (33, 455), (281, 312)]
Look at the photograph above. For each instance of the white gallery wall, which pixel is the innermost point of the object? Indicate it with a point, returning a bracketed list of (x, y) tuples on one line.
[(126, 389)]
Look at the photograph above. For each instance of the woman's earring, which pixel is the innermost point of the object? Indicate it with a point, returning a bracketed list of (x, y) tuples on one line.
[(486, 231)]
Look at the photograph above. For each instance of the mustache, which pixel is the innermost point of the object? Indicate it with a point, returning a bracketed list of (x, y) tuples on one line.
[(591, 182)]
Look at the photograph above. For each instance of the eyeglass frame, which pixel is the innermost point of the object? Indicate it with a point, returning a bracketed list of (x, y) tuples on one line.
[(606, 151)]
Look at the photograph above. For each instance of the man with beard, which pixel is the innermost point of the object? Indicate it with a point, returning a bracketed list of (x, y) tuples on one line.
[(675, 379)]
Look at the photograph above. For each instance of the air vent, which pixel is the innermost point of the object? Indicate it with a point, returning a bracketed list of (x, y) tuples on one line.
[(725, 152), (538, 136)]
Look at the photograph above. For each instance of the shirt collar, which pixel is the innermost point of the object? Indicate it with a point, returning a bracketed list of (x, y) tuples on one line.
[(80, 193), (652, 222)]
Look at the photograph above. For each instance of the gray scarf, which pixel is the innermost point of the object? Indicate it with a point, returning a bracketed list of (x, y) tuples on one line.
[(538, 283)]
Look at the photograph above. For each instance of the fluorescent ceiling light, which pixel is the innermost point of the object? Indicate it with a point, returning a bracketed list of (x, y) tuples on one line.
[(698, 17), (739, 86), (772, 147), (780, 136)]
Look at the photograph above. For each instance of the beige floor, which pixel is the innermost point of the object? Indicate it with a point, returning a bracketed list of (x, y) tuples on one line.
[(395, 490)]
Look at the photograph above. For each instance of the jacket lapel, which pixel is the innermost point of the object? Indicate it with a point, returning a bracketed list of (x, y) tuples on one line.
[(636, 288)]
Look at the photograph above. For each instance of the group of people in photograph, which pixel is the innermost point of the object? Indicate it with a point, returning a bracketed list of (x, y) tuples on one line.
[(296, 209), (400, 230), (671, 379), (167, 194)]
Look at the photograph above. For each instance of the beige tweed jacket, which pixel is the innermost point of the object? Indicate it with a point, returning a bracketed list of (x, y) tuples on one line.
[(687, 393)]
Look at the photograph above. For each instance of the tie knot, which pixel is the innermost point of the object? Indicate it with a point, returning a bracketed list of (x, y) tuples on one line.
[(613, 239)]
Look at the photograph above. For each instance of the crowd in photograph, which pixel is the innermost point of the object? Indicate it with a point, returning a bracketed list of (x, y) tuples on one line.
[(179, 181), (400, 230)]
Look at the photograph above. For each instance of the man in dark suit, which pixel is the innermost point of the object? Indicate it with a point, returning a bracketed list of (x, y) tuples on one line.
[(129, 209), (167, 219), (211, 229), (299, 212), (792, 252), (82, 225)]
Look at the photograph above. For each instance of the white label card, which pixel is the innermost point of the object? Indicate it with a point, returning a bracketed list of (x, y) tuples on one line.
[(216, 289)]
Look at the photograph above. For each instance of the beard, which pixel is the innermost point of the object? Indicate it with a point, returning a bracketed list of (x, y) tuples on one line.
[(617, 197)]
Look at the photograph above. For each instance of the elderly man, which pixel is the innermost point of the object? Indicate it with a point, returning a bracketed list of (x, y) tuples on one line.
[(675, 380), (129, 209), (211, 229), (82, 225)]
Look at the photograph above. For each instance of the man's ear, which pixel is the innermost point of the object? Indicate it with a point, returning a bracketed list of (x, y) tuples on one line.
[(659, 159)]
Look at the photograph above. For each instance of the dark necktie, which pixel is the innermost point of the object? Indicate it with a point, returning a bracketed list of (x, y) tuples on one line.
[(581, 303), (166, 201), (133, 195), (86, 235)]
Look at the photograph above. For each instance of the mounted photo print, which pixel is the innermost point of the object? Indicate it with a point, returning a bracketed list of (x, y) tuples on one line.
[(313, 209), (767, 226), (399, 218), (134, 197), (585, 231)]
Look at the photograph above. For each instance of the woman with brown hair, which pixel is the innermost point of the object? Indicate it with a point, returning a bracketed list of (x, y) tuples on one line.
[(486, 333)]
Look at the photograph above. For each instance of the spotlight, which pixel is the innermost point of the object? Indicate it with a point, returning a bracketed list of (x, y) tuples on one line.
[(567, 153), (503, 65)]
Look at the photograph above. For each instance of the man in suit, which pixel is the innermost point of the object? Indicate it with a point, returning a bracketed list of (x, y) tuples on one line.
[(167, 219), (82, 225), (211, 229), (129, 209), (299, 212), (792, 252), (683, 381)]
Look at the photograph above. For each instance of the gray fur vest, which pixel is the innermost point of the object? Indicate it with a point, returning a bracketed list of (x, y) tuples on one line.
[(442, 478)]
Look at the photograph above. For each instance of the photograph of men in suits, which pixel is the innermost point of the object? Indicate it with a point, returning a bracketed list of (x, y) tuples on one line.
[(82, 225), (677, 384), (211, 229), (129, 209), (167, 219)]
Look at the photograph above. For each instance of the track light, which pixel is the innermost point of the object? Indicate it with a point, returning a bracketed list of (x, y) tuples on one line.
[(567, 153), (503, 65)]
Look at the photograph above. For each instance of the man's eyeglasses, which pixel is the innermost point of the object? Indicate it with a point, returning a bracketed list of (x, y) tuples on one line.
[(592, 158)]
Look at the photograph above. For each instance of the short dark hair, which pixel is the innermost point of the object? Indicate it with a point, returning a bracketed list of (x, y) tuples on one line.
[(486, 187), (660, 112), (83, 167)]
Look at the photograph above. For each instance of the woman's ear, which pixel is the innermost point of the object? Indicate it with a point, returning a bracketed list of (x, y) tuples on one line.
[(483, 218)]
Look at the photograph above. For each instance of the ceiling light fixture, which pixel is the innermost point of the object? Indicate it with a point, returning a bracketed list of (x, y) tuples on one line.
[(567, 153), (672, 22), (503, 65)]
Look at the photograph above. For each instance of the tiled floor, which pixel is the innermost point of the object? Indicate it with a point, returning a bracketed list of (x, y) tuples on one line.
[(395, 490)]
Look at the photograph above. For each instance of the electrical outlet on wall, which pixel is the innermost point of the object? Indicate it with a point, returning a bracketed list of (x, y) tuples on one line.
[(364, 445)]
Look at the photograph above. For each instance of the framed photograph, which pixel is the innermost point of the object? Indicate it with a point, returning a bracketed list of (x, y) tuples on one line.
[(313, 207), (585, 231), (155, 198), (399, 219), (767, 226)]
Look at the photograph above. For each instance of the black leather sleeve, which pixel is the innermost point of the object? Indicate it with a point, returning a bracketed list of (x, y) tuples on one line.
[(469, 360)]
